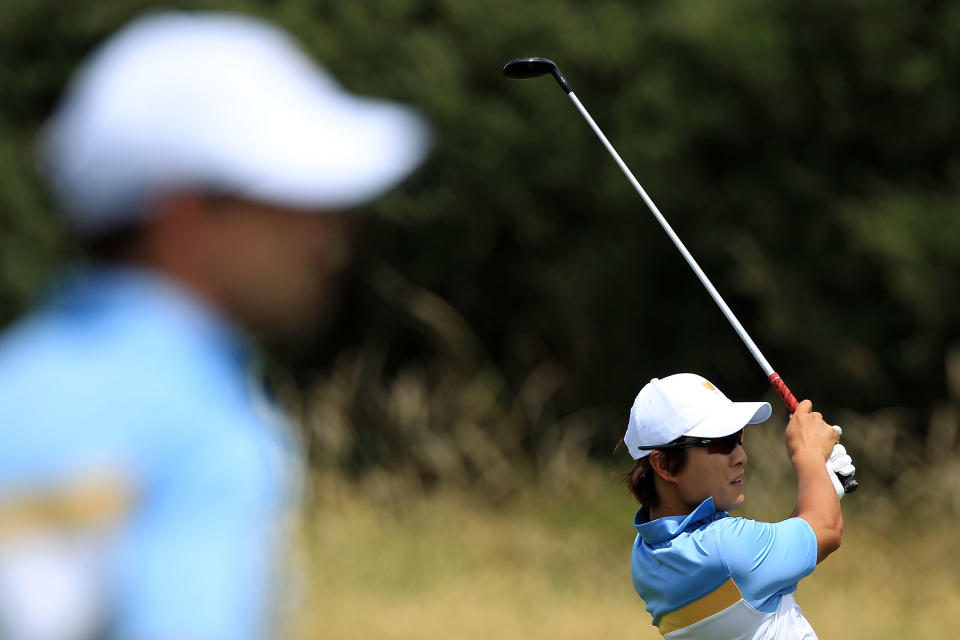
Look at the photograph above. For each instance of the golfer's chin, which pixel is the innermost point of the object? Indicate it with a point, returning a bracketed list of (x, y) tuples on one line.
[(290, 315), (729, 502), (298, 331)]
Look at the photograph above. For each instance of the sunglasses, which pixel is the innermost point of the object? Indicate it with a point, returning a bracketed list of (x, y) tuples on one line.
[(724, 445)]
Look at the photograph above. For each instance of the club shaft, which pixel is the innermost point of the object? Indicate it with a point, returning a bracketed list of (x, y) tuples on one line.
[(849, 483), (767, 369)]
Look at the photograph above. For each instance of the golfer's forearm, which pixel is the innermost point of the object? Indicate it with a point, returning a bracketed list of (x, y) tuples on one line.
[(817, 502)]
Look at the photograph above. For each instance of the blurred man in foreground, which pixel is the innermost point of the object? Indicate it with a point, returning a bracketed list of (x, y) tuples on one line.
[(204, 161), (702, 573)]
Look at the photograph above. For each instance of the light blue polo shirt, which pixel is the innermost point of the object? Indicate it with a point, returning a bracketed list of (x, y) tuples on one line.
[(139, 465), (680, 559)]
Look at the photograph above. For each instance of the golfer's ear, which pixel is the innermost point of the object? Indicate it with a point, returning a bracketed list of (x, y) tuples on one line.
[(659, 467)]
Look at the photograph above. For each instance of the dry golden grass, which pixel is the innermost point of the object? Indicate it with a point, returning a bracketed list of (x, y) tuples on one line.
[(387, 562), (452, 565), (494, 553)]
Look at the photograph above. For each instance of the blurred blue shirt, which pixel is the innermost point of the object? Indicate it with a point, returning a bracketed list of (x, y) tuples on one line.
[(143, 477)]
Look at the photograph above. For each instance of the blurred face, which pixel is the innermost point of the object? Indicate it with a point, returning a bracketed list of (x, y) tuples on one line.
[(719, 475), (273, 269)]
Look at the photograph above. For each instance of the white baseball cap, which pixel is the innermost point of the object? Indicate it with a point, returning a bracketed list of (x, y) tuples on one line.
[(685, 404), (222, 102)]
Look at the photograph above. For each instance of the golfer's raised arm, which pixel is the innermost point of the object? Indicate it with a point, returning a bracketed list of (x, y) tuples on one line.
[(809, 442)]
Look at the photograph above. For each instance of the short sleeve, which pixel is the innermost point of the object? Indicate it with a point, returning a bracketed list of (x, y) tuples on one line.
[(766, 560)]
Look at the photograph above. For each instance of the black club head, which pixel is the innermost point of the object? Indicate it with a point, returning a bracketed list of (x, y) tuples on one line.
[(523, 68)]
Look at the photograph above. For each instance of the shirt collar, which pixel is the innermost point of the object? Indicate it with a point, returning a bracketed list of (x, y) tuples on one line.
[(669, 527), (156, 300)]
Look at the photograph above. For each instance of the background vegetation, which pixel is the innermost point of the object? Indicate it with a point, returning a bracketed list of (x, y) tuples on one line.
[(510, 300)]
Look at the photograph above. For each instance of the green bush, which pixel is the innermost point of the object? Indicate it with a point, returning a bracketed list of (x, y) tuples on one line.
[(805, 152)]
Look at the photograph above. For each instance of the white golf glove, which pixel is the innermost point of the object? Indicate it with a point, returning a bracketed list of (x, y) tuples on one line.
[(839, 462)]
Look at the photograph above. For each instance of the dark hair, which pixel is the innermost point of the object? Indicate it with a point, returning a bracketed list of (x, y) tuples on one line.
[(640, 479), (116, 245)]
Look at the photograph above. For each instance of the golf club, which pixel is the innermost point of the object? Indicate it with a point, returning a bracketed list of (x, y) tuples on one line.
[(523, 68)]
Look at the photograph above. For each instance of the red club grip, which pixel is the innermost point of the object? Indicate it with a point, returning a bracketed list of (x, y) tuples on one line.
[(849, 484), (784, 391)]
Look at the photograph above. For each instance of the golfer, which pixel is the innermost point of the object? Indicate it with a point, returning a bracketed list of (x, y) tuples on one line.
[(204, 163), (702, 573)]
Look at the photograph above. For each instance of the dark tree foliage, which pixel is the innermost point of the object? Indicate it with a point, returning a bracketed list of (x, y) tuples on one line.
[(804, 150)]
